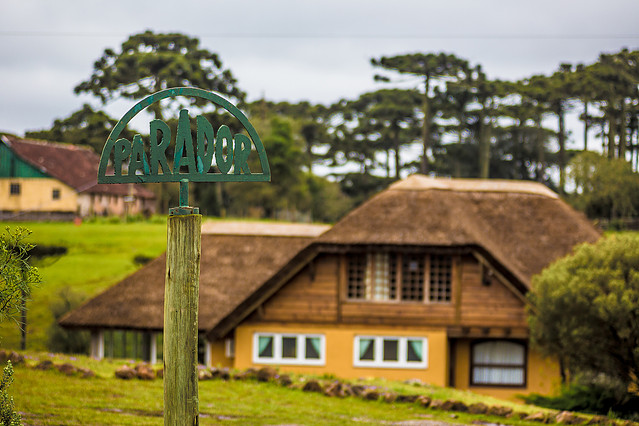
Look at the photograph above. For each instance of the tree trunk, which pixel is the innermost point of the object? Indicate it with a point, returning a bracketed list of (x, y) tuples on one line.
[(541, 153), (425, 127), (561, 139), (484, 146), (586, 125)]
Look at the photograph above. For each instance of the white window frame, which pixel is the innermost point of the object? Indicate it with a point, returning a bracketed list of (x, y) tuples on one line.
[(378, 358), (277, 358), (229, 347)]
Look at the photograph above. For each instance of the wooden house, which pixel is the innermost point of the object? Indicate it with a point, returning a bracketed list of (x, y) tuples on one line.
[(56, 181), (427, 280)]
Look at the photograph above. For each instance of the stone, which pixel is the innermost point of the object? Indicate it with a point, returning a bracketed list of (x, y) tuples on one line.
[(204, 375), (539, 416), (86, 372), (459, 406), (67, 369), (15, 358), (478, 408), (358, 390), (312, 386), (335, 389), (568, 418), (407, 398), (266, 374), (424, 401), (497, 410), (389, 397), (47, 364), (436, 404), (371, 395), (599, 420), (285, 380), (144, 372), (125, 372)]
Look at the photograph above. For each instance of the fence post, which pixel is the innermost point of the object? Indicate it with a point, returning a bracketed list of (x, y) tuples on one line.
[(181, 294)]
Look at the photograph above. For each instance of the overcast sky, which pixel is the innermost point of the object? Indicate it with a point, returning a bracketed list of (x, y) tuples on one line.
[(294, 49)]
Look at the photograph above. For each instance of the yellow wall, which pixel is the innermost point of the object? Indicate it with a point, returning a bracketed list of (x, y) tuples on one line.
[(542, 375), (218, 355), (339, 351), (36, 195)]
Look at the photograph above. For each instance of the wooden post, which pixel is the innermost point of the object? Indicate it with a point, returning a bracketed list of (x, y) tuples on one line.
[(181, 319)]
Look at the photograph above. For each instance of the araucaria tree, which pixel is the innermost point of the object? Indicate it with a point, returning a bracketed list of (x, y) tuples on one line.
[(150, 62), (586, 311)]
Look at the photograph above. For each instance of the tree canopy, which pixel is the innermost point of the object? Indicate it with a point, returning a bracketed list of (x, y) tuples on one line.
[(150, 62), (585, 310)]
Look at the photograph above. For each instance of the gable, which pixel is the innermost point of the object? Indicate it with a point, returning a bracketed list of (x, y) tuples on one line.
[(13, 166)]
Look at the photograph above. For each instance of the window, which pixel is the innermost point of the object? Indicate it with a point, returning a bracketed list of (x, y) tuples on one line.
[(498, 363), (411, 277), (292, 349), (229, 347), (390, 352), (440, 278), (14, 189), (55, 194)]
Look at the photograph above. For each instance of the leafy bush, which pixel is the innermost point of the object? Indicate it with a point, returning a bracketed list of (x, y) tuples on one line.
[(61, 340), (8, 416), (595, 399)]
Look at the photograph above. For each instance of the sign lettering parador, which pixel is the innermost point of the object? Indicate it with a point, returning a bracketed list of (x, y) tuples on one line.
[(217, 156)]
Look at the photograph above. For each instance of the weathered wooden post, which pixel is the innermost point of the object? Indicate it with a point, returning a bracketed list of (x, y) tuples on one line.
[(181, 291), (215, 157)]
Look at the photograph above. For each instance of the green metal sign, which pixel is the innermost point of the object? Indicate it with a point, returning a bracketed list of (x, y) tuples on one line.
[(217, 156)]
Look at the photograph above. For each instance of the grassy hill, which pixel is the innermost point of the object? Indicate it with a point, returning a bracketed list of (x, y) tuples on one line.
[(98, 255)]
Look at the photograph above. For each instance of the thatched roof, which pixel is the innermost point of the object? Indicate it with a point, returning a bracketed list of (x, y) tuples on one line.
[(73, 165), (524, 226), (233, 265)]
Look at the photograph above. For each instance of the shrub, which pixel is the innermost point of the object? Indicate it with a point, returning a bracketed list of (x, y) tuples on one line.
[(8, 416)]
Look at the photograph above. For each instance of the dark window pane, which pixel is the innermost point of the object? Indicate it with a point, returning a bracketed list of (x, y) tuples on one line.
[(391, 352), (289, 347), (366, 349), (55, 194), (14, 189), (414, 351), (265, 348), (413, 277), (312, 348), (357, 276), (440, 278)]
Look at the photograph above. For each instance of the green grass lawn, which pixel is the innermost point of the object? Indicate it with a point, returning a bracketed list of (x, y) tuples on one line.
[(99, 255), (52, 398)]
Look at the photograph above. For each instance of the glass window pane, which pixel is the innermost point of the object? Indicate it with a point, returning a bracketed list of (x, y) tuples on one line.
[(414, 351), (391, 350), (498, 376), (499, 352), (265, 346), (366, 349), (289, 347), (312, 348)]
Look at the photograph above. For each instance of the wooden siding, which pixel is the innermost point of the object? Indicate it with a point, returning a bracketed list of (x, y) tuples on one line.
[(317, 294), (487, 305), (310, 296)]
